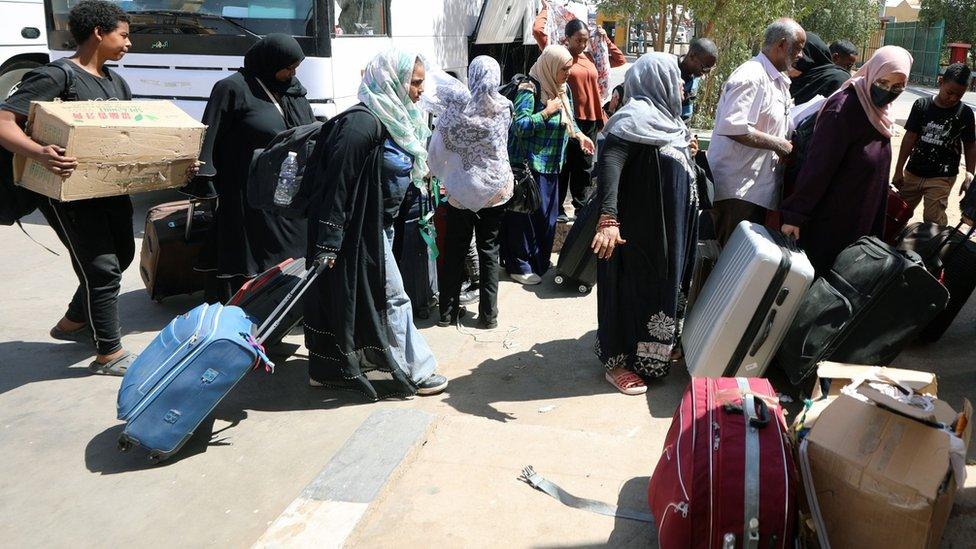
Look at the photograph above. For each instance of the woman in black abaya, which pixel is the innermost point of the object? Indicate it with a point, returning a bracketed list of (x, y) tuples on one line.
[(648, 227), (244, 113), (818, 73)]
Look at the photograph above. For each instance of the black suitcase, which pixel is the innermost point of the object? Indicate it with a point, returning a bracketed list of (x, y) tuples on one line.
[(872, 302), (577, 262), (417, 266), (173, 239), (950, 256), (261, 295)]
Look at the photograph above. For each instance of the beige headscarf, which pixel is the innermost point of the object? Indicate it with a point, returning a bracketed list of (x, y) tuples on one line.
[(544, 71)]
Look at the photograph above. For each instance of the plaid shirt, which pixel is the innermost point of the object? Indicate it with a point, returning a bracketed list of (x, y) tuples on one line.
[(533, 139)]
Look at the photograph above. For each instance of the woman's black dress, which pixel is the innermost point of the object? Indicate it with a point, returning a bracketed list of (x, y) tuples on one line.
[(641, 288), (240, 118)]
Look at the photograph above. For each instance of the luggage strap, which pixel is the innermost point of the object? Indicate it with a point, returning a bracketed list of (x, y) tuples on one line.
[(535, 480), (23, 230)]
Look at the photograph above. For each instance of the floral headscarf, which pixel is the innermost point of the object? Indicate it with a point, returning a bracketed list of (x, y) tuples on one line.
[(385, 92)]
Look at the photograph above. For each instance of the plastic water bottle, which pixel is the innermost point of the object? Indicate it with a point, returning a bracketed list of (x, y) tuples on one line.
[(287, 183)]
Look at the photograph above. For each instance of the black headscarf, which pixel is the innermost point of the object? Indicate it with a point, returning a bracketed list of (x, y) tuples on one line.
[(820, 74), (268, 56)]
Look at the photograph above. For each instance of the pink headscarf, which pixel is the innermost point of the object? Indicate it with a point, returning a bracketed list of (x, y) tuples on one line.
[(886, 60)]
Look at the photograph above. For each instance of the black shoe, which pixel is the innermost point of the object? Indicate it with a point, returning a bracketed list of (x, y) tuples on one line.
[(487, 324), (469, 297), (432, 385), (449, 320)]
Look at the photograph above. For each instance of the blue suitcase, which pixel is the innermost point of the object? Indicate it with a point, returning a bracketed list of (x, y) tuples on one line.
[(189, 368)]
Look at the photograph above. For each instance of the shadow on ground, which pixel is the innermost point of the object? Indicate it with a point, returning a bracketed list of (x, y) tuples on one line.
[(553, 369), (285, 390), (25, 362)]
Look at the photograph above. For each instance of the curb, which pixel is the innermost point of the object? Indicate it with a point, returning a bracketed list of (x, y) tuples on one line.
[(329, 508)]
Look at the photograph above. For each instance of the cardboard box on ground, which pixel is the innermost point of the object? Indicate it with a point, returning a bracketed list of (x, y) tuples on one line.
[(122, 147), (879, 459)]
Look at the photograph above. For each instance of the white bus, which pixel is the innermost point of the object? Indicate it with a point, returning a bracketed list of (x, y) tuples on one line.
[(23, 40), (180, 48)]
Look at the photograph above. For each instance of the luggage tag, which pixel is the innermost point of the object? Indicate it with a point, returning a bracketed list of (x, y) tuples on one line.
[(269, 366)]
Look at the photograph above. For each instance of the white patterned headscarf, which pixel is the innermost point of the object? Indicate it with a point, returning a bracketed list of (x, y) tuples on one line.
[(385, 92), (652, 115), (469, 150)]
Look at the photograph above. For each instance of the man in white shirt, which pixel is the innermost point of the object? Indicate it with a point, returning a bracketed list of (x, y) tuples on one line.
[(750, 138)]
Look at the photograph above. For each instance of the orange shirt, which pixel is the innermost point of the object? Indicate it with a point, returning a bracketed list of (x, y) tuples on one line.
[(583, 77)]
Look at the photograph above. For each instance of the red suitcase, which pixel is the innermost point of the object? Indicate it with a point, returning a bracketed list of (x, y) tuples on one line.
[(261, 295), (897, 216), (726, 477)]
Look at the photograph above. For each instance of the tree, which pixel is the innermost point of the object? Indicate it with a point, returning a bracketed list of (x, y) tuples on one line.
[(959, 16), (854, 20), (737, 26)]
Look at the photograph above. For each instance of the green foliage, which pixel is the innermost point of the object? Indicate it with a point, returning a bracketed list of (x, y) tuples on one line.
[(737, 26), (854, 20), (959, 16)]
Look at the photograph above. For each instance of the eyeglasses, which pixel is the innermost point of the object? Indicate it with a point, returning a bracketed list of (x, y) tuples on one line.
[(886, 86)]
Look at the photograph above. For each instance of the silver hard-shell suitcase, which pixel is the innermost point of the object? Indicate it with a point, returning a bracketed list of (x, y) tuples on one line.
[(747, 304)]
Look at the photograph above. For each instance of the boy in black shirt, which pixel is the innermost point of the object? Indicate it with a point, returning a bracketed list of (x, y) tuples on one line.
[(97, 232), (938, 130)]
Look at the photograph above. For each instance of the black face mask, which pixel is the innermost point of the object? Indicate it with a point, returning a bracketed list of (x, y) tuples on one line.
[(881, 97)]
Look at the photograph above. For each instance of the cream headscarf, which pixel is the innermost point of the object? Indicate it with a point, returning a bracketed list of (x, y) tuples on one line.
[(544, 71)]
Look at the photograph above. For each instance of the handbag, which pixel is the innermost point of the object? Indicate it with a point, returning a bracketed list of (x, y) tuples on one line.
[(525, 192)]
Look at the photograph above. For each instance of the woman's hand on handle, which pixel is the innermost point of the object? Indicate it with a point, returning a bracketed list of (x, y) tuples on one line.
[(791, 230)]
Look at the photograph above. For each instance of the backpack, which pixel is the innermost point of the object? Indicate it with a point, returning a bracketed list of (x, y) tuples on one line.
[(262, 177), (802, 136), (15, 201), (510, 89)]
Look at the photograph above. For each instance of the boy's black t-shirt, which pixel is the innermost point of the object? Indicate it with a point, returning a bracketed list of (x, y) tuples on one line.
[(941, 133), (48, 83)]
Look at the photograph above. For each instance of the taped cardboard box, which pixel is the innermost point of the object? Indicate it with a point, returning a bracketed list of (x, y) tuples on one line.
[(884, 465), (122, 147), (832, 377)]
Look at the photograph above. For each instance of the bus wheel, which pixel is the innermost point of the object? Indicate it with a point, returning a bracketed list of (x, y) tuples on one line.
[(13, 74)]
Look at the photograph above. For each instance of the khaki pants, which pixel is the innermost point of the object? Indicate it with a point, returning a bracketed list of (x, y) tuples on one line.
[(934, 190), (730, 212)]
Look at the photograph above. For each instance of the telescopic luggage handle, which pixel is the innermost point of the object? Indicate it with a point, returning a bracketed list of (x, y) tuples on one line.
[(278, 314)]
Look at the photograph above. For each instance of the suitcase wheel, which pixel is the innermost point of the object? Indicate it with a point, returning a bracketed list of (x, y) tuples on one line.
[(583, 289), (155, 457), (559, 279), (124, 444)]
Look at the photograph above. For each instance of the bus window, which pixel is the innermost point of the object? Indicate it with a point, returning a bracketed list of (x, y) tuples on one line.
[(210, 17), (361, 18)]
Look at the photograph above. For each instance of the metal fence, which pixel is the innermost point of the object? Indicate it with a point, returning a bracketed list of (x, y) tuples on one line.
[(925, 44)]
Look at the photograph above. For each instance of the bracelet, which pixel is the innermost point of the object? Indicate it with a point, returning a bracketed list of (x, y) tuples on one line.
[(608, 223)]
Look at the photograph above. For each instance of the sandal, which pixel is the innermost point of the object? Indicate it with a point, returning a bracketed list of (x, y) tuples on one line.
[(627, 383), (78, 335), (677, 355), (115, 367)]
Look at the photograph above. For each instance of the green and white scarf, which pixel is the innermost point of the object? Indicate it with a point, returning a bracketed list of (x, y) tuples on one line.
[(385, 92)]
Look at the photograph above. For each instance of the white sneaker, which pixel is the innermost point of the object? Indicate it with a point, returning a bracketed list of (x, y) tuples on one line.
[(530, 279)]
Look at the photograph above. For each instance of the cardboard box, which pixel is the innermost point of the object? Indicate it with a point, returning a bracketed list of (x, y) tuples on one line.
[(841, 375), (881, 469), (122, 147)]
